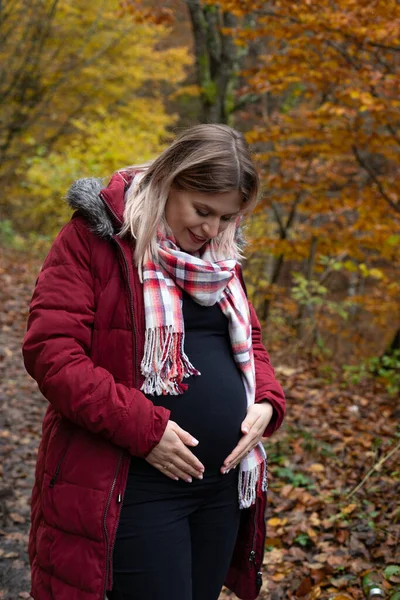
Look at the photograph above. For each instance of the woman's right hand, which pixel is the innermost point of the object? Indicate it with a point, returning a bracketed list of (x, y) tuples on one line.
[(172, 457)]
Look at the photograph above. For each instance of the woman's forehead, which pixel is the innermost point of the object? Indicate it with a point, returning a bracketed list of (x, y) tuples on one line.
[(221, 202)]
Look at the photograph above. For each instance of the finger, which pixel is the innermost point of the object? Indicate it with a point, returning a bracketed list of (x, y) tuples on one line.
[(168, 474), (244, 443), (245, 452), (172, 471), (234, 463), (249, 422), (242, 449), (190, 459), (240, 458), (165, 471), (186, 468), (185, 436), (180, 455), (180, 473), (233, 457)]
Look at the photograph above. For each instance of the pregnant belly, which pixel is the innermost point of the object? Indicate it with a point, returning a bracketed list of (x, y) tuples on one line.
[(214, 405)]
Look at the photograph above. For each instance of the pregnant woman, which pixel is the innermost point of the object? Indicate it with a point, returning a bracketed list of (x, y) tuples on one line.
[(151, 478)]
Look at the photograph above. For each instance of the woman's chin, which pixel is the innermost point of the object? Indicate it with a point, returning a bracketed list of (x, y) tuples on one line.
[(189, 246)]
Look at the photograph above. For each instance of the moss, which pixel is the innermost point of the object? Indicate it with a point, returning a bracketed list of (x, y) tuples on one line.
[(208, 86), (230, 99)]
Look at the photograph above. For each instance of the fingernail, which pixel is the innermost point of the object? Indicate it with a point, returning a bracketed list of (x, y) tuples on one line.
[(189, 480), (226, 472), (200, 477), (245, 430), (194, 441)]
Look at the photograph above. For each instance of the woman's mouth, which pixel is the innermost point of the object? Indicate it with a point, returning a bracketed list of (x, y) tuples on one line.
[(196, 238)]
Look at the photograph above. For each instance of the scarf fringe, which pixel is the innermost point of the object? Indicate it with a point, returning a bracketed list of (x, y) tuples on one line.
[(249, 482), (165, 364)]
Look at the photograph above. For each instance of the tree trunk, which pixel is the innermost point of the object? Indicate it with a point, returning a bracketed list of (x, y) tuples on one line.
[(395, 344), (306, 310), (216, 60)]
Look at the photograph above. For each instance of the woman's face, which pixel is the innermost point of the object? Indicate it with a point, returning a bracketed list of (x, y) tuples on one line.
[(195, 217)]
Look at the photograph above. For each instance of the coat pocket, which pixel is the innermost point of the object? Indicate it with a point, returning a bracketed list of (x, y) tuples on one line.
[(57, 447), (57, 471)]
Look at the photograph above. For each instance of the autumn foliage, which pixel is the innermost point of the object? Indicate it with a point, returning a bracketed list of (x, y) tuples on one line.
[(83, 89), (328, 143)]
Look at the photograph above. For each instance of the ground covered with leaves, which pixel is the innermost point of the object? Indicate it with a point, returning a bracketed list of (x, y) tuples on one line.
[(333, 514)]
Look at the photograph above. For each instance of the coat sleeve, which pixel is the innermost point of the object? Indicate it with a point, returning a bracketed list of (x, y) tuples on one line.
[(267, 387), (56, 351)]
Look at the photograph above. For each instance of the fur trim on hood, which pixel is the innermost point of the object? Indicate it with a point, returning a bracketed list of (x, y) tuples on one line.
[(84, 196)]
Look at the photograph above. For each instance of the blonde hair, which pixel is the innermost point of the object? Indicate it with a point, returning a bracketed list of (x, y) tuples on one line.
[(210, 159)]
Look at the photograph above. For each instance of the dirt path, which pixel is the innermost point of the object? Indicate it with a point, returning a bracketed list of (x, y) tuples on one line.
[(22, 409), (320, 541)]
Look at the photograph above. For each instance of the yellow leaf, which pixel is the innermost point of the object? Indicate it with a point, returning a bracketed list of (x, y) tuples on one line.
[(316, 468), (278, 576), (376, 273), (315, 593), (311, 533), (349, 265), (349, 509)]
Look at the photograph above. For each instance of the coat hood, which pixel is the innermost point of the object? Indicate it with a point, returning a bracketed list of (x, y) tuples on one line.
[(102, 207)]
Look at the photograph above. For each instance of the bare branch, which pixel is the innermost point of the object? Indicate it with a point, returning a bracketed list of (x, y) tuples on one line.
[(282, 229), (377, 467), (374, 178)]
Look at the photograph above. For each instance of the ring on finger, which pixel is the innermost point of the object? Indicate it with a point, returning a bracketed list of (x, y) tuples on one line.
[(167, 466)]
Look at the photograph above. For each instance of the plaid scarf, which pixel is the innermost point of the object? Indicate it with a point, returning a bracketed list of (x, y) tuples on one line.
[(165, 364)]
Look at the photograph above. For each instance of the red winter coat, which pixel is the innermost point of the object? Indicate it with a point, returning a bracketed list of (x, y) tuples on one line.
[(83, 346)]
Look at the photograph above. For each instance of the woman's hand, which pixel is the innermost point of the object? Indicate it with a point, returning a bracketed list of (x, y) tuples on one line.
[(257, 419), (173, 458)]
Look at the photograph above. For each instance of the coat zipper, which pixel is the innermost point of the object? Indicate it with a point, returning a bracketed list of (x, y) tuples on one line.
[(108, 558), (119, 501), (57, 471), (252, 555)]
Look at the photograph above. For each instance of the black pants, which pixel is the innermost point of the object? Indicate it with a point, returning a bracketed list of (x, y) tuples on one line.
[(175, 539)]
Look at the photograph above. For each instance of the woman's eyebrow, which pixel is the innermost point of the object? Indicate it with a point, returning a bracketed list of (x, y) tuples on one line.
[(213, 211)]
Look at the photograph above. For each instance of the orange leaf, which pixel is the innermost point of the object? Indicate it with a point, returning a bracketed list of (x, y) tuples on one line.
[(349, 509), (304, 587), (275, 522)]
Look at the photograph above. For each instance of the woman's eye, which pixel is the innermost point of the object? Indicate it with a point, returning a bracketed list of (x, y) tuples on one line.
[(228, 219), (201, 214)]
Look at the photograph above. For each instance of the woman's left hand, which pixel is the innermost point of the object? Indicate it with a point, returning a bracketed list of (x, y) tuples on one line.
[(257, 419)]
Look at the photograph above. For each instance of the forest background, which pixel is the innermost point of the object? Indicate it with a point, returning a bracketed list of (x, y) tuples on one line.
[(86, 88)]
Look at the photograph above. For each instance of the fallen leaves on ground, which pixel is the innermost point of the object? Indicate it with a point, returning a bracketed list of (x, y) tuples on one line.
[(320, 541)]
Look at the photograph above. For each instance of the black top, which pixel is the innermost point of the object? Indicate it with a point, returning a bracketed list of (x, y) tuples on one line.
[(214, 405)]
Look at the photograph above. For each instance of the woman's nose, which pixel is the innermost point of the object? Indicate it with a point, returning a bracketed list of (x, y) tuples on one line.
[(211, 227)]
